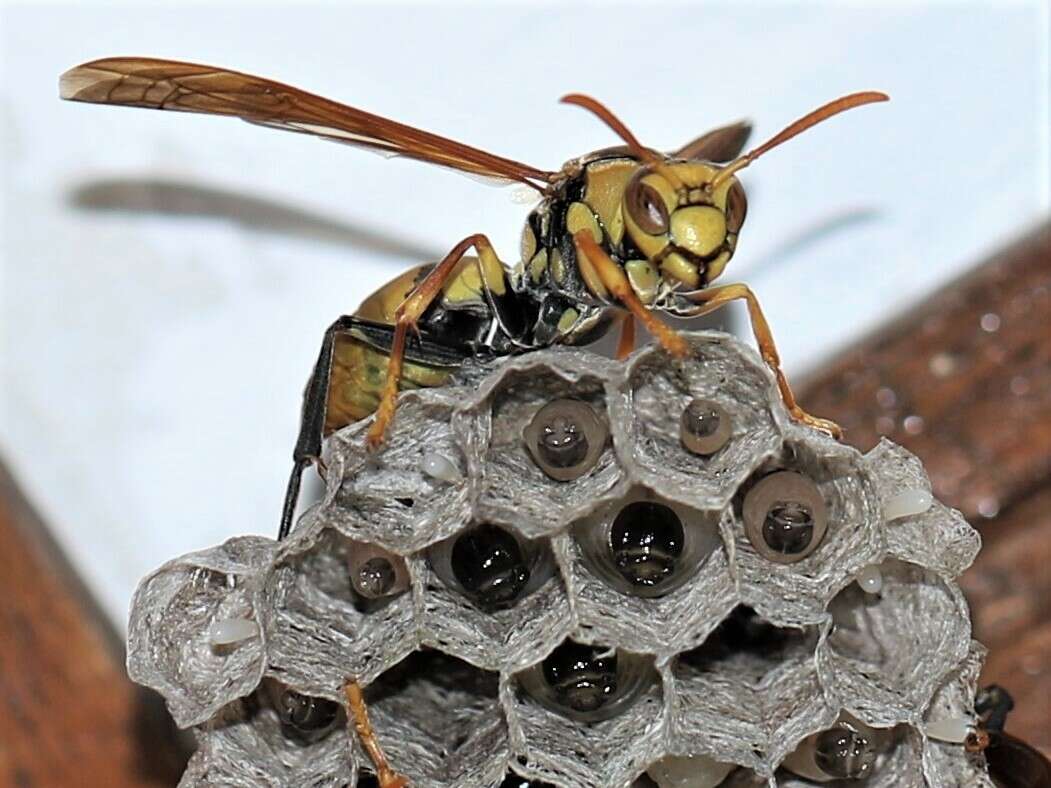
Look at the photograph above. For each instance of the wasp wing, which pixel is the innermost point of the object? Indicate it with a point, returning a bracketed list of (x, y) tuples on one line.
[(189, 87), (718, 145), (420, 348)]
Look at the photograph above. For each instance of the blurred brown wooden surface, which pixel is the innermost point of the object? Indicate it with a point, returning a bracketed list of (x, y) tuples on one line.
[(68, 714), (963, 380)]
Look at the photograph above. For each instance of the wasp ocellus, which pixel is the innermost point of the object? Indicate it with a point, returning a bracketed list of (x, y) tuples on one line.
[(620, 234)]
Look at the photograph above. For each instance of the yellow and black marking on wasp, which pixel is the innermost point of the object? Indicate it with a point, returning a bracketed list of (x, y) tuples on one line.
[(624, 232)]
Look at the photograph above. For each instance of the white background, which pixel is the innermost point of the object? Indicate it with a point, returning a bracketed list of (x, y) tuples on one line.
[(154, 353)]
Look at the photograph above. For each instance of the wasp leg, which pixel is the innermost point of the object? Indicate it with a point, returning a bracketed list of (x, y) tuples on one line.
[(312, 422), (626, 343), (406, 317), (713, 298), (591, 255), (388, 778)]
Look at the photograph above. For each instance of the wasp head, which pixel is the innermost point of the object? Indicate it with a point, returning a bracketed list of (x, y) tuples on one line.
[(684, 219), (683, 214)]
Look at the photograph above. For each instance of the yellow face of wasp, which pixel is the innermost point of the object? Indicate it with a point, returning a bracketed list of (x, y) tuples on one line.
[(686, 229)]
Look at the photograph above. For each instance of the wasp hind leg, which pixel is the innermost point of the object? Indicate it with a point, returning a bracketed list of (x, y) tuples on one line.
[(716, 297), (359, 714), (307, 451), (408, 314)]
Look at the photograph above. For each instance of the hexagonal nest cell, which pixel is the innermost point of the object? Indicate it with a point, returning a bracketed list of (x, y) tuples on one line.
[(562, 570)]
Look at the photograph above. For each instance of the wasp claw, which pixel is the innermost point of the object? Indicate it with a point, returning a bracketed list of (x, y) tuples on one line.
[(677, 346), (830, 428)]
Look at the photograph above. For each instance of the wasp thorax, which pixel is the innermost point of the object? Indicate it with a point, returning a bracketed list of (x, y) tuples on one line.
[(784, 516), (490, 566), (566, 438), (704, 427), (844, 753), (647, 542)]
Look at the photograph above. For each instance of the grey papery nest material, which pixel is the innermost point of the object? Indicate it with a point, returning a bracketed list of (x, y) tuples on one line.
[(224, 632)]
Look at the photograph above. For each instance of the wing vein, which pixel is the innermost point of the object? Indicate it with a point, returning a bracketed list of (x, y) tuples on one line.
[(189, 87)]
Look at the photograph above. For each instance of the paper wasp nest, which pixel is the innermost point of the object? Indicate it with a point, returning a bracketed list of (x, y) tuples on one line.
[(579, 572)]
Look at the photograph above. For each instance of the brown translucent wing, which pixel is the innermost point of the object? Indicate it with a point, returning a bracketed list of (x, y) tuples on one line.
[(190, 87), (719, 145)]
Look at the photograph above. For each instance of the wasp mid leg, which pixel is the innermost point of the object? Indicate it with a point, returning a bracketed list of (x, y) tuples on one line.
[(716, 297), (409, 313), (387, 777), (612, 276)]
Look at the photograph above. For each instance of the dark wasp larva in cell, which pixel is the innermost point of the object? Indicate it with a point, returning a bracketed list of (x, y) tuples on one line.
[(588, 683), (376, 574), (302, 716), (849, 750), (583, 678), (512, 780), (492, 566), (704, 427), (566, 438), (785, 517), (844, 753), (647, 543)]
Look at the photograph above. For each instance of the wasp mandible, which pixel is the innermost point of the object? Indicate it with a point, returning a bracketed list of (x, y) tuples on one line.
[(621, 233)]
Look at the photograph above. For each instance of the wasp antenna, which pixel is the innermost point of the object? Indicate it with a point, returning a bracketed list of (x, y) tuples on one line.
[(810, 119), (603, 113)]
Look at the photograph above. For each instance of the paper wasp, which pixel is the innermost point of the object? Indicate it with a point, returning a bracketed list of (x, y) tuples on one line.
[(619, 233)]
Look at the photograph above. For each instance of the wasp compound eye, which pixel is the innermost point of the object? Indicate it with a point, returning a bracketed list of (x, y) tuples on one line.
[(587, 683), (844, 754), (566, 438), (785, 517), (736, 208), (491, 566), (704, 427), (646, 207), (646, 547), (646, 541), (375, 573)]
